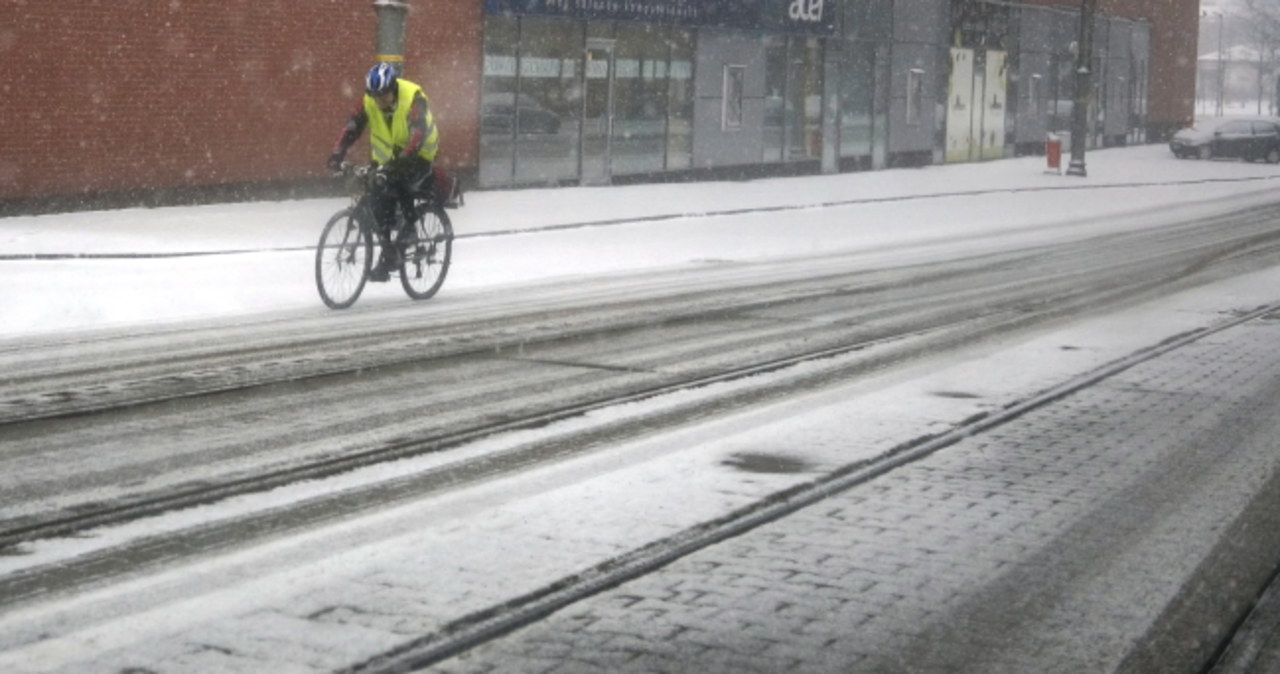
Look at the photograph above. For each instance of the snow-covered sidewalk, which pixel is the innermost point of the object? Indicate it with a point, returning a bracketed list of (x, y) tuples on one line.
[(88, 277)]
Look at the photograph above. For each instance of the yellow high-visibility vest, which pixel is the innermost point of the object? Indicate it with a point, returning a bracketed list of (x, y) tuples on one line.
[(386, 142)]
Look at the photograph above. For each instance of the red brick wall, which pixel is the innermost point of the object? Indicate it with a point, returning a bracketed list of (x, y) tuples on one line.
[(1175, 28), (102, 95), (445, 54)]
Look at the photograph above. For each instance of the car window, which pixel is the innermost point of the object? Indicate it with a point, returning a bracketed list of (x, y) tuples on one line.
[(1265, 129), (1235, 128)]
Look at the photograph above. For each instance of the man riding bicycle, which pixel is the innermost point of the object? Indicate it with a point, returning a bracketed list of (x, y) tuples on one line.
[(404, 140)]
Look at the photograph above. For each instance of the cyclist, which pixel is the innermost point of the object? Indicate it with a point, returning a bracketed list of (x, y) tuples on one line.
[(404, 140)]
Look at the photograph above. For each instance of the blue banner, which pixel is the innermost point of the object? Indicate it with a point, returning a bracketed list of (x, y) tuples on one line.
[(806, 16)]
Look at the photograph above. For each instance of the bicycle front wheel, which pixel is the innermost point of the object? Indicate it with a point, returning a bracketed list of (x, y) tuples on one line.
[(426, 254), (343, 258)]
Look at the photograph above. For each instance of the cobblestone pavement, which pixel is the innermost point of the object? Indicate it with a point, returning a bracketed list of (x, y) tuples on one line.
[(1124, 528)]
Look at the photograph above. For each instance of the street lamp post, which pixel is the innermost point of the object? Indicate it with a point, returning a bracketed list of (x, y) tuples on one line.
[(1222, 67), (1084, 89)]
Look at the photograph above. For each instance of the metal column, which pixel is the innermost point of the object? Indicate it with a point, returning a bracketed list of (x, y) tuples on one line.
[(1084, 90), (389, 40)]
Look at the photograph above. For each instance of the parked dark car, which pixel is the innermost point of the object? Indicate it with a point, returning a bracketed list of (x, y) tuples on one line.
[(500, 110), (1250, 139)]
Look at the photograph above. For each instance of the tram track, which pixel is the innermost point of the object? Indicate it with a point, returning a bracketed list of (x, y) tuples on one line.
[(1008, 315), (219, 536), (65, 524), (475, 629), (140, 554), (702, 349), (869, 320)]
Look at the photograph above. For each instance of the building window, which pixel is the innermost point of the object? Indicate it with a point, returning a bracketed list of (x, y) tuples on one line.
[(640, 100), (549, 101), (793, 99), (1034, 94), (775, 98), (680, 95), (915, 95), (498, 101), (735, 82)]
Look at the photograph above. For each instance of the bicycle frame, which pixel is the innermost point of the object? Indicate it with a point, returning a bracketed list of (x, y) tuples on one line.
[(419, 245)]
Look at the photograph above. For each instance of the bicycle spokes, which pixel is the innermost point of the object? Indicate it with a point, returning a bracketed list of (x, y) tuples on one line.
[(426, 255), (341, 261), (347, 248)]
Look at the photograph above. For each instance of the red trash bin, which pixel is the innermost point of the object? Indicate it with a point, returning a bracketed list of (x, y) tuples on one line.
[(1053, 153)]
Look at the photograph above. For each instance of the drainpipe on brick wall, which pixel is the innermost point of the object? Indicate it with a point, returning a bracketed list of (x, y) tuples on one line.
[(389, 41)]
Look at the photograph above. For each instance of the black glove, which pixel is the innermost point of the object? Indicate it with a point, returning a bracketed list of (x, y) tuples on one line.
[(335, 162), (395, 169)]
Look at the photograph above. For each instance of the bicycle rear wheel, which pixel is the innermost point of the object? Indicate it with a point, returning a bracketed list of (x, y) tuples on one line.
[(426, 254), (343, 258)]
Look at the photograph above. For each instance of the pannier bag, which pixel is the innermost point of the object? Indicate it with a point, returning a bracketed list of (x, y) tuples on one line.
[(448, 190)]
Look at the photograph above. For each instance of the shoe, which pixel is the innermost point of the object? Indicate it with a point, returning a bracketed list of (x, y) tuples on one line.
[(381, 272)]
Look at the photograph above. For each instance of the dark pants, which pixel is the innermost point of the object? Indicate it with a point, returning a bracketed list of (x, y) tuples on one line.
[(412, 176)]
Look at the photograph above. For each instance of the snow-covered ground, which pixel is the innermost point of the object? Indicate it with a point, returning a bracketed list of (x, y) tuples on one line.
[(466, 551), (265, 249)]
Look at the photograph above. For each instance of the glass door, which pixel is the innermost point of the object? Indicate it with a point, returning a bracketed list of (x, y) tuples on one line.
[(597, 111)]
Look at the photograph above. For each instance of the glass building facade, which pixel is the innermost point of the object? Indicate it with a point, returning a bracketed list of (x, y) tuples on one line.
[(590, 92), (567, 100)]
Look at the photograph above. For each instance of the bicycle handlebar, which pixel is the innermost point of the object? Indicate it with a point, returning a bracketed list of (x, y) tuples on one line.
[(371, 177)]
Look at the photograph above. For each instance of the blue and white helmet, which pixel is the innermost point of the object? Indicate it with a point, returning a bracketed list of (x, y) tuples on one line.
[(381, 78)]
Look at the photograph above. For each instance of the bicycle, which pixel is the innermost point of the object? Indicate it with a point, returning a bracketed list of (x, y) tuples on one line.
[(349, 244)]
